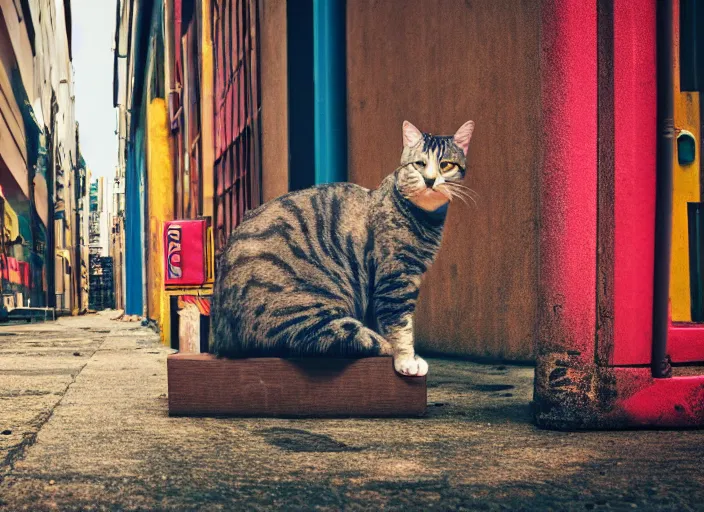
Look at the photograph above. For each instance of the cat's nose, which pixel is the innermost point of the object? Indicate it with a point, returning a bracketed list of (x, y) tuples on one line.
[(429, 182)]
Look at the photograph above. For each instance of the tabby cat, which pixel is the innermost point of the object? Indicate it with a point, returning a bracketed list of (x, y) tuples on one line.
[(335, 270)]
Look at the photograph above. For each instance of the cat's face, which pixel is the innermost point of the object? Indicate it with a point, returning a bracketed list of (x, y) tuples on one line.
[(432, 167)]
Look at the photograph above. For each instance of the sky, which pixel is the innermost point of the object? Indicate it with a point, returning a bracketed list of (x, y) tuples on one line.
[(93, 40)]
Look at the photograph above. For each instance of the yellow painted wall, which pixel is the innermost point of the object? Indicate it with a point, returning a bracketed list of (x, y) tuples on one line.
[(160, 191), (686, 189)]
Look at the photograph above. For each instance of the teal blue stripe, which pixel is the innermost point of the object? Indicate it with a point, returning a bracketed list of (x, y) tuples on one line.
[(329, 78)]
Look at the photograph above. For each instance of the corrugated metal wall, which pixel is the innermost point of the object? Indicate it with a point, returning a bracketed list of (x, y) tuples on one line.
[(184, 110), (237, 109)]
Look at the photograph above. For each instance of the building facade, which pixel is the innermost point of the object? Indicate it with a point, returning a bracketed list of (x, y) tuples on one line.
[(226, 104), (101, 257), (42, 176)]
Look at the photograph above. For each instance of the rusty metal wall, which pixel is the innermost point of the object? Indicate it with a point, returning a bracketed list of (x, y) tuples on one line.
[(438, 64)]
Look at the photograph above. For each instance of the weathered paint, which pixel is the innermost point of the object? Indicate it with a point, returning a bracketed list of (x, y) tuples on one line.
[(571, 390), (685, 188), (674, 402), (160, 193), (635, 112), (573, 395), (567, 316)]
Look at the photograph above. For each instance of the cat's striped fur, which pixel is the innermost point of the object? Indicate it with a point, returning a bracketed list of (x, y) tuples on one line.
[(334, 270)]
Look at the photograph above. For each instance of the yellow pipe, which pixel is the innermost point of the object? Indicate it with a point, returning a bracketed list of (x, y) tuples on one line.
[(206, 124)]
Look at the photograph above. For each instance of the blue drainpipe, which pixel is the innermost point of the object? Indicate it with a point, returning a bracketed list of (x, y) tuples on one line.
[(329, 85)]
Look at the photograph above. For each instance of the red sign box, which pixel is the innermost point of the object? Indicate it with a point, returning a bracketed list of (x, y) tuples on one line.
[(184, 252)]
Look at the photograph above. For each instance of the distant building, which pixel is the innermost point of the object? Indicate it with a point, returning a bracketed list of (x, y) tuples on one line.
[(102, 283), (117, 234), (100, 224)]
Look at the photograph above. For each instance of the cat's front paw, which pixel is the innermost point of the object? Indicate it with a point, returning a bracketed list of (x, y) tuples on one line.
[(411, 366)]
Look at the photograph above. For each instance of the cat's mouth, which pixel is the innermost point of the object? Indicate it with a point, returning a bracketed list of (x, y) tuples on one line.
[(431, 198), (442, 189), (435, 193)]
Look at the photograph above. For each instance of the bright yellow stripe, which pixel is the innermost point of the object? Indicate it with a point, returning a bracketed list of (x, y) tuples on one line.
[(160, 196)]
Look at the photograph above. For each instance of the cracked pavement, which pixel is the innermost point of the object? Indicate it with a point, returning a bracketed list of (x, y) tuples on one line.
[(84, 426)]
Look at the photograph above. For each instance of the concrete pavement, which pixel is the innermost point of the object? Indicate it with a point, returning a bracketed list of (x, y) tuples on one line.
[(84, 426)]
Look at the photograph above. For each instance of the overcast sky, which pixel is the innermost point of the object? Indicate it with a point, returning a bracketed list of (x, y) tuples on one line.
[(93, 37)]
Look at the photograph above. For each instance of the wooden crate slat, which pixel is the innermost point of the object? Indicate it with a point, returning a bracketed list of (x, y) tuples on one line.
[(204, 385)]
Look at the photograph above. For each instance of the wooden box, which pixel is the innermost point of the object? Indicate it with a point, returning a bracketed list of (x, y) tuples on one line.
[(204, 385)]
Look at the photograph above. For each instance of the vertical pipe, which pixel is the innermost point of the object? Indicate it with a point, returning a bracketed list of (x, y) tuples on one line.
[(663, 196), (207, 110), (329, 76), (301, 104)]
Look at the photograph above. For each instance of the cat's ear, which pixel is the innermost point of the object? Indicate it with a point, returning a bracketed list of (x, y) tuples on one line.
[(463, 135), (411, 135)]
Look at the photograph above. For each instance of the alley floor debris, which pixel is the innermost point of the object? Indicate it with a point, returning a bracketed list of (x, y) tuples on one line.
[(84, 426)]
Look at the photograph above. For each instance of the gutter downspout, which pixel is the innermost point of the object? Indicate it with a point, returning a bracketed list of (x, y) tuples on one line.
[(663, 198)]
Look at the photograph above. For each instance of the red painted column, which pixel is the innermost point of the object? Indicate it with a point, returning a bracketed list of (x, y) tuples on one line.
[(635, 113), (569, 178)]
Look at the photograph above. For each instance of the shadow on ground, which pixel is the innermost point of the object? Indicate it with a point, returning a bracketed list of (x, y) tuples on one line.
[(91, 432)]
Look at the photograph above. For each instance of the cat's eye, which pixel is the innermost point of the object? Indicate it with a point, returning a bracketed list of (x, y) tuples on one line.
[(448, 166), (420, 163)]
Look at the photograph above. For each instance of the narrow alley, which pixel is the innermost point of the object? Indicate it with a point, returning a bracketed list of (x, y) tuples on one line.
[(220, 215), (85, 427)]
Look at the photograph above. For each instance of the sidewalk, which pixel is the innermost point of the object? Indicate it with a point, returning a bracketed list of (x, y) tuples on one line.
[(84, 426)]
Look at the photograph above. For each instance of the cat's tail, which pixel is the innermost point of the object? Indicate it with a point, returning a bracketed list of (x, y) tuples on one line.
[(340, 337)]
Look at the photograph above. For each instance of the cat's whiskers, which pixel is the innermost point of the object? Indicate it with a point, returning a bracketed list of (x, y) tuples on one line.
[(463, 195), (460, 198), (467, 189), (461, 190), (450, 194)]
